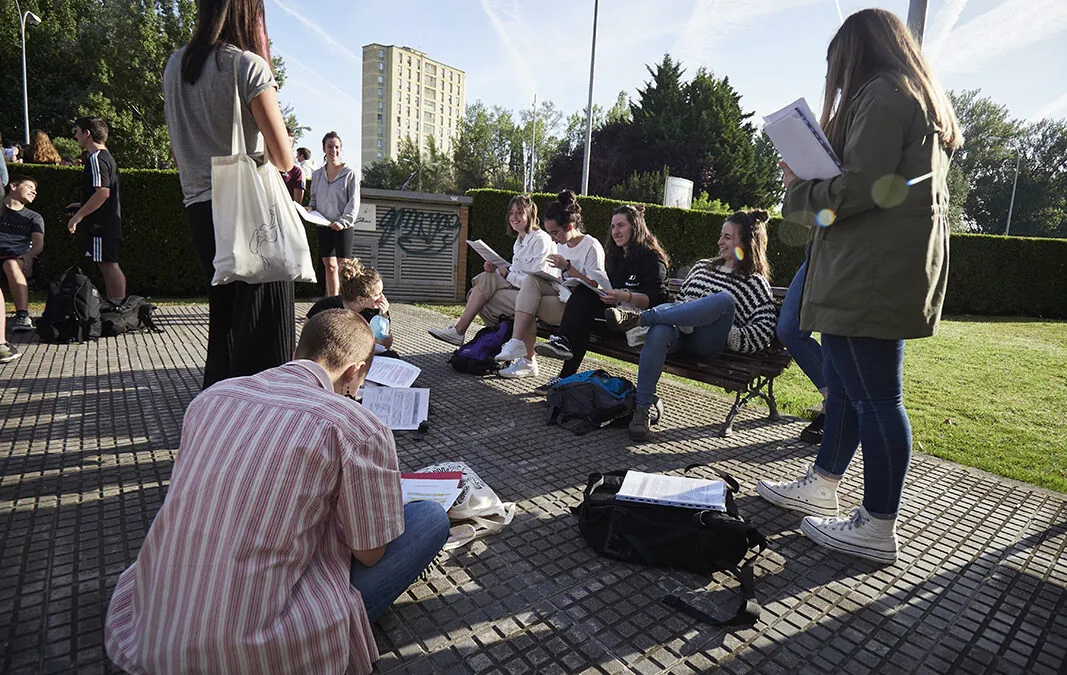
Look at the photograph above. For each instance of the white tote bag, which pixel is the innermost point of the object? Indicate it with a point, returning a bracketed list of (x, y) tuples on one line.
[(259, 236), (478, 510)]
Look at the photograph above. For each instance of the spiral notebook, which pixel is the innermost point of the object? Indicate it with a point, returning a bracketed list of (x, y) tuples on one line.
[(690, 493)]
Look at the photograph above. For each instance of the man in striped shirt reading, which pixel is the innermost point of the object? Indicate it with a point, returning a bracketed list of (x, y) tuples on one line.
[(282, 535)]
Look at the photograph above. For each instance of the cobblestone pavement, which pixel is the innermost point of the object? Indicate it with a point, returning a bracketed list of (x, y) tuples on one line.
[(87, 443)]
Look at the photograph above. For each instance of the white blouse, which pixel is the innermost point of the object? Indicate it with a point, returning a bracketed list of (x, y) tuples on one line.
[(529, 254)]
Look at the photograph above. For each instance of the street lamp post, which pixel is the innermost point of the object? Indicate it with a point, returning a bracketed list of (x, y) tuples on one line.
[(589, 107), (33, 20), (1014, 184)]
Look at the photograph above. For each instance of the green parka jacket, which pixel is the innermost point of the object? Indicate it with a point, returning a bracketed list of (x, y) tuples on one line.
[(880, 268)]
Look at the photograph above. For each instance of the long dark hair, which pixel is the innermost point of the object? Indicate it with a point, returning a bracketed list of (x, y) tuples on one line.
[(752, 229), (876, 42), (565, 211), (237, 22), (641, 241)]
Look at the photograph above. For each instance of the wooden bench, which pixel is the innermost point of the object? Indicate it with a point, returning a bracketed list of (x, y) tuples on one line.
[(746, 375)]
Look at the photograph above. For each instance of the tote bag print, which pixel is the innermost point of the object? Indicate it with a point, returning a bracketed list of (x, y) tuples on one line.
[(258, 234)]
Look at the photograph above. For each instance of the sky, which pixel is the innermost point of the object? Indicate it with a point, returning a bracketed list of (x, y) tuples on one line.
[(772, 51)]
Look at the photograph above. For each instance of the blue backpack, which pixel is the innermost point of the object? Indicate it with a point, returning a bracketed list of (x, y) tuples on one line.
[(590, 400), (477, 356)]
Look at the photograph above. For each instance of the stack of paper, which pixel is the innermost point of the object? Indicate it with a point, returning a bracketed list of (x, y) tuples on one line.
[(801, 142), (488, 254), (442, 488), (690, 493), (395, 403)]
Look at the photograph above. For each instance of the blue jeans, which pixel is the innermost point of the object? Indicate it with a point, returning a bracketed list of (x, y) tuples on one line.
[(425, 532), (865, 404), (711, 318), (801, 345)]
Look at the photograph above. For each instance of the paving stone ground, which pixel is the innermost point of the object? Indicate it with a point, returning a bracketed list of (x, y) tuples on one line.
[(88, 439)]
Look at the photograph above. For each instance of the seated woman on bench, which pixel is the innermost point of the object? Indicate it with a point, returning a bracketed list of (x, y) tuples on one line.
[(496, 289), (637, 269), (361, 292), (723, 304), (578, 256)]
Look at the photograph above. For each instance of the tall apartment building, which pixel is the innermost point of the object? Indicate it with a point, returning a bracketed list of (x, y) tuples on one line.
[(406, 94)]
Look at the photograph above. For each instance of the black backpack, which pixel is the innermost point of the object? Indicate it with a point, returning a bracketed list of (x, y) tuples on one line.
[(133, 313), (476, 357), (587, 401), (72, 310), (653, 535)]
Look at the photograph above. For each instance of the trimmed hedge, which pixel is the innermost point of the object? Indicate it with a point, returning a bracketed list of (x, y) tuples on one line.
[(157, 253), (990, 275)]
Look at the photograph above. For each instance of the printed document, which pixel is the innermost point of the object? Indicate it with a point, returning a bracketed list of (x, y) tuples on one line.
[(392, 372), (801, 142), (655, 488), (442, 488), (488, 254), (399, 409)]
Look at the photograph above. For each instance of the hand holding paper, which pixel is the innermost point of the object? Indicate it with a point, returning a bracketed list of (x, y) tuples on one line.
[(801, 143)]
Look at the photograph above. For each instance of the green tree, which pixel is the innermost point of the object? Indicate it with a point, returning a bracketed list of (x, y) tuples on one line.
[(644, 187)]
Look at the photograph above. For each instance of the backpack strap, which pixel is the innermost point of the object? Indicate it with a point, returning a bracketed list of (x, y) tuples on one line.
[(749, 611), (730, 481)]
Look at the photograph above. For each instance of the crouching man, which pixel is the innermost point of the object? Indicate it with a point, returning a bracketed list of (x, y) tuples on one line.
[(282, 535)]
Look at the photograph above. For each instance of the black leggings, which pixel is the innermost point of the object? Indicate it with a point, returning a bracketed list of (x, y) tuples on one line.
[(583, 308), (251, 327)]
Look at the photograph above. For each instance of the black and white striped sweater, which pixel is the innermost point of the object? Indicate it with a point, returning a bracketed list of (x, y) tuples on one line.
[(754, 317)]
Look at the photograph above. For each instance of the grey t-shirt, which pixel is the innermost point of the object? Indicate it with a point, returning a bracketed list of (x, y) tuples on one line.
[(200, 116)]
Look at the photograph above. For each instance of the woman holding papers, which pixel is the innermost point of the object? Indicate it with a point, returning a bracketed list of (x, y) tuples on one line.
[(496, 289), (877, 271), (361, 292), (251, 327), (579, 258), (724, 303), (335, 194), (637, 269)]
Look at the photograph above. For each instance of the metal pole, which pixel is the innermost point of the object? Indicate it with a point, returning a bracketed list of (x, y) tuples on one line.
[(589, 106), (533, 144), (25, 85), (1015, 183), (917, 19)]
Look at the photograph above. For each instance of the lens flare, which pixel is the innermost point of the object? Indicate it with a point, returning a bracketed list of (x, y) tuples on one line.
[(825, 218), (919, 179), (739, 253), (889, 191)]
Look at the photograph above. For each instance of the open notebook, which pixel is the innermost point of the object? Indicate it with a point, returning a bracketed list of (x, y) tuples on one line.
[(690, 493)]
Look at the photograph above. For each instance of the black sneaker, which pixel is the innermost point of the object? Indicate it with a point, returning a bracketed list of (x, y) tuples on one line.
[(621, 319), (548, 386), (22, 322), (557, 347), (813, 432)]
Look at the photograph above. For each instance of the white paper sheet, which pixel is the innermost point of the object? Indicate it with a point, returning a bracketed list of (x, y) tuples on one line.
[(655, 488), (488, 254), (399, 409), (392, 372), (801, 142), (443, 492), (313, 217)]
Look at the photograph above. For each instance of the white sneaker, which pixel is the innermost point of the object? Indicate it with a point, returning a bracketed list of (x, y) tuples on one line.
[(512, 349), (858, 534), (522, 367), (811, 494), (449, 335)]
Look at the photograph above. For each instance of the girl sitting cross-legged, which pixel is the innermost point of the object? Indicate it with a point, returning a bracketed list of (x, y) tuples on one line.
[(637, 269), (577, 256), (362, 292), (496, 289), (723, 304)]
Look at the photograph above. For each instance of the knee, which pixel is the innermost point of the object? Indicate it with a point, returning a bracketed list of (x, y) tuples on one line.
[(658, 337), (431, 518), (330, 265)]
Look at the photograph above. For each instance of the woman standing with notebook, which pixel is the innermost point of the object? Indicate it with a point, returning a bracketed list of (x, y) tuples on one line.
[(877, 271)]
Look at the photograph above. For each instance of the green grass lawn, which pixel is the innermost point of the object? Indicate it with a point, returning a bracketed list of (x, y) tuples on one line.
[(987, 392)]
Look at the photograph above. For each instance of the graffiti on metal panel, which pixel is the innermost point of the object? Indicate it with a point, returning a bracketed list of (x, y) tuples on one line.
[(419, 232)]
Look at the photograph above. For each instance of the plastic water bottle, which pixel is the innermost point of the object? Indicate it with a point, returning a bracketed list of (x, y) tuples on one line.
[(379, 325)]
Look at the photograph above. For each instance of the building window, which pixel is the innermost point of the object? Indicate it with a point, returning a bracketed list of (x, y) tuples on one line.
[(379, 130), (398, 108), (398, 118), (409, 60), (380, 92), (442, 108), (381, 80), (416, 101), (379, 144), (379, 119), (429, 129), (379, 155), (379, 105), (381, 53)]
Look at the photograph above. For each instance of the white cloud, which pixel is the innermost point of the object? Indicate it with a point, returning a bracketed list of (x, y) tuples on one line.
[(506, 20), (300, 80), (941, 27), (1009, 27), (1053, 108), (320, 32)]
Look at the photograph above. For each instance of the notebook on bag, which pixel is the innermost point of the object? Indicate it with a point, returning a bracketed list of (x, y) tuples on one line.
[(690, 493)]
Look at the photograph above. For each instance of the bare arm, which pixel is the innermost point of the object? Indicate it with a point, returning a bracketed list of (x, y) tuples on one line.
[(269, 120), (100, 196), (370, 557), (36, 245)]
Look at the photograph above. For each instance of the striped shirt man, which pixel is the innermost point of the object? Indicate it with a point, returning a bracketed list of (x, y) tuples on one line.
[(246, 566), (754, 317)]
